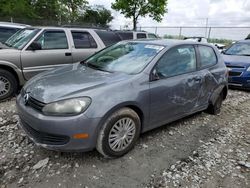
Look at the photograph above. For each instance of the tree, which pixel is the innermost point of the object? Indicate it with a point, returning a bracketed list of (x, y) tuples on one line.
[(97, 15), (16, 9), (73, 8), (47, 10), (136, 8)]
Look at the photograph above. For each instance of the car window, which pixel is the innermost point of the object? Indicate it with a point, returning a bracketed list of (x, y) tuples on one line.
[(52, 40), (152, 36), (178, 60), (240, 49), (126, 57), (125, 35), (21, 38), (108, 37), (6, 33), (141, 35), (207, 56), (83, 40)]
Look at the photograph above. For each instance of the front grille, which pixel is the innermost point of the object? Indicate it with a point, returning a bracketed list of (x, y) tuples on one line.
[(231, 73), (35, 104), (235, 66), (45, 138)]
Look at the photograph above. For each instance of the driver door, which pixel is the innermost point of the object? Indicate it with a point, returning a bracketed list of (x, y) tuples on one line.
[(176, 91)]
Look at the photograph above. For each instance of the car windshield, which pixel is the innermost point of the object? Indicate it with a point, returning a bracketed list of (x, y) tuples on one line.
[(242, 49), (21, 38), (127, 57)]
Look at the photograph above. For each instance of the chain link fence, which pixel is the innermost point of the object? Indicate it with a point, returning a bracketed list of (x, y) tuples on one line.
[(230, 33)]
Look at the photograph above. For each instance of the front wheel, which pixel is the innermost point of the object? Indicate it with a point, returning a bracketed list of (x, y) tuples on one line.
[(8, 85), (119, 133)]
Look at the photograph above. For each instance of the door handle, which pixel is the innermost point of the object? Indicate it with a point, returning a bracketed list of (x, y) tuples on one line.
[(198, 79), (68, 54)]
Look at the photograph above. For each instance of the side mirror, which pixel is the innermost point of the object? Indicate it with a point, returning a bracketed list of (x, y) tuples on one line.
[(223, 51), (154, 76), (35, 46)]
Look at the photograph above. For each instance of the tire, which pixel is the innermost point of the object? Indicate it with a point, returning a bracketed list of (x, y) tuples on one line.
[(107, 138), (215, 108), (8, 85)]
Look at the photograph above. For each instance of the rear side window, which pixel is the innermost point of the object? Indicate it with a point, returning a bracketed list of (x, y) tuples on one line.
[(83, 40), (141, 35), (108, 37), (176, 61), (6, 33), (125, 35), (207, 56), (152, 36), (52, 40)]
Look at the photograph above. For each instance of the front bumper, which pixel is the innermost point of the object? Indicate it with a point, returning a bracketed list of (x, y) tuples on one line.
[(239, 82), (56, 133)]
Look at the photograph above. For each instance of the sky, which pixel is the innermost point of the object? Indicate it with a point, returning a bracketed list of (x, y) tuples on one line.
[(192, 13)]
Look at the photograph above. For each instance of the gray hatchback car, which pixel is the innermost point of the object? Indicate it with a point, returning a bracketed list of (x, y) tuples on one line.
[(108, 100)]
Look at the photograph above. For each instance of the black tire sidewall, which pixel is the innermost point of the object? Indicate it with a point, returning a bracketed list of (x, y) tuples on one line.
[(110, 123), (13, 84)]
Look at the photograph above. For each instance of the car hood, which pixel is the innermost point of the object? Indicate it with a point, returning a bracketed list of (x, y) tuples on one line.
[(3, 46), (237, 60), (69, 81)]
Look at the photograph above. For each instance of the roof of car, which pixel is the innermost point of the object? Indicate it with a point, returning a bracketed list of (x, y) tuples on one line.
[(58, 27), (244, 41), (165, 42), (13, 25)]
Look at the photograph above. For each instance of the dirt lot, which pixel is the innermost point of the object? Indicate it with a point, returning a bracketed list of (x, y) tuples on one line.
[(198, 151)]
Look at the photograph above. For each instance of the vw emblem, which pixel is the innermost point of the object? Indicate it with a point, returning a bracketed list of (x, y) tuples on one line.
[(26, 98)]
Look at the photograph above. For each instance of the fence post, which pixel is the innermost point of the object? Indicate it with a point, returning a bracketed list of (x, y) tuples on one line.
[(180, 32), (209, 33), (156, 30)]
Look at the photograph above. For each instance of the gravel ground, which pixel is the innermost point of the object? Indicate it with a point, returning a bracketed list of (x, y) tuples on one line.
[(198, 151)]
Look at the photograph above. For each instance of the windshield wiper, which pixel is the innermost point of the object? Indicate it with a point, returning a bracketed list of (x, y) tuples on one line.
[(96, 67), (244, 54)]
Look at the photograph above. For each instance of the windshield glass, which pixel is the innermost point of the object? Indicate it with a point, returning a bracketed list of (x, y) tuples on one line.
[(127, 57), (239, 49), (21, 38)]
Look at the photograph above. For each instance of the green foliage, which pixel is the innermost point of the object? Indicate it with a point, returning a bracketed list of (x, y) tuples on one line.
[(220, 41), (97, 15), (72, 9), (45, 9), (16, 8), (173, 37), (136, 8)]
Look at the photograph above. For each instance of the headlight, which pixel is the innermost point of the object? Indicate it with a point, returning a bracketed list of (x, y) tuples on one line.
[(248, 70), (67, 107)]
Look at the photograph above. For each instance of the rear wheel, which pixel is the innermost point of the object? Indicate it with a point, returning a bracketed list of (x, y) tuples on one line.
[(216, 107), (119, 133), (8, 85)]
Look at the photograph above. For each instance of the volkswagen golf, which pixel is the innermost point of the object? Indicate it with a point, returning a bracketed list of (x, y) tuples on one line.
[(108, 100)]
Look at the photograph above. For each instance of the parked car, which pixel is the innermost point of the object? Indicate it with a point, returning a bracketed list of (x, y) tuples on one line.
[(108, 100), (197, 39), (8, 29), (130, 35), (220, 47), (237, 60), (36, 49)]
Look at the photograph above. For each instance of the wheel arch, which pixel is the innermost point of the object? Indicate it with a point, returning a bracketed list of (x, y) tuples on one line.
[(132, 105), (220, 89), (12, 71)]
